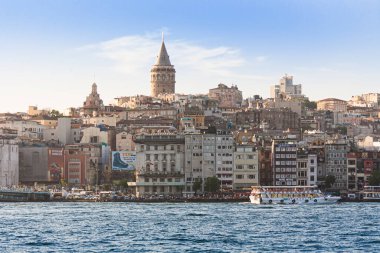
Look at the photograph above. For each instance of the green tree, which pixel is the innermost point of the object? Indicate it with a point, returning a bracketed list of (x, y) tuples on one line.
[(197, 186), (123, 185), (374, 179), (212, 184), (55, 114), (340, 130), (329, 181), (310, 105)]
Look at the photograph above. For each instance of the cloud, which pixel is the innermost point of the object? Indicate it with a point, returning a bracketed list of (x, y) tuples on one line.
[(137, 52), (198, 67)]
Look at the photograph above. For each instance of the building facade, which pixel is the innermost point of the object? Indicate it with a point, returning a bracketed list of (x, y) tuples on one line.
[(332, 104), (33, 162), (246, 167), (336, 163), (9, 163), (227, 96), (284, 162), (160, 162)]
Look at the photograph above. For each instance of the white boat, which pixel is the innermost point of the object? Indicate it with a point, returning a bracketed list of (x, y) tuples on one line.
[(371, 193), (289, 195)]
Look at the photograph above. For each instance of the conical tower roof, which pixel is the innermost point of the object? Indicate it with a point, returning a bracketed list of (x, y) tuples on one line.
[(163, 57)]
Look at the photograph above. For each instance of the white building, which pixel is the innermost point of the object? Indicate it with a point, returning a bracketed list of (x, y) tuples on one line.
[(26, 129), (208, 155), (286, 88), (9, 163), (312, 168), (369, 143), (246, 167), (370, 100), (64, 133), (94, 135)]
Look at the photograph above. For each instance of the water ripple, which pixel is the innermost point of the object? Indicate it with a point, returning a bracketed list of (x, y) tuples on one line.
[(188, 227)]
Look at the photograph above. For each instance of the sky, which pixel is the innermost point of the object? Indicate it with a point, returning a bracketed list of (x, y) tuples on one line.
[(52, 51)]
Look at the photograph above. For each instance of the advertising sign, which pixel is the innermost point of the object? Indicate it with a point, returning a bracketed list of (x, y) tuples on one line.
[(123, 160)]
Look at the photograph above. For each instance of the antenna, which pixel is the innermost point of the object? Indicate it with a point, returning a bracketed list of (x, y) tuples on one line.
[(162, 34)]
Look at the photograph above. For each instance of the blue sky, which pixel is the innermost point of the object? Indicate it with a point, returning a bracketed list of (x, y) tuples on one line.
[(52, 51)]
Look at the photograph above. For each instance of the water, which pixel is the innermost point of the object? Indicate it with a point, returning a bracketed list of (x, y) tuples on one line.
[(188, 227)]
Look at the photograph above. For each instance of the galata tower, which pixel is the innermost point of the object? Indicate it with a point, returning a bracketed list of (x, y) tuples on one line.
[(162, 74)]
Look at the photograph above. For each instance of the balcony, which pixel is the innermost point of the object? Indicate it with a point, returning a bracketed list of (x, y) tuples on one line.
[(160, 174), (159, 139)]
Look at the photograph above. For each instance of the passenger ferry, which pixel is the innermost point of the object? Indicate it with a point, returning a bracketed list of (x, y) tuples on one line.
[(371, 193), (289, 195)]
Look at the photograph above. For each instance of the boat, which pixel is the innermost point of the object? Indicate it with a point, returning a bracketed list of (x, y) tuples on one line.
[(290, 195), (371, 193)]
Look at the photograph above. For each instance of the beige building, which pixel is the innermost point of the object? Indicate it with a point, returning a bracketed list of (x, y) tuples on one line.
[(246, 167), (162, 74), (109, 120), (99, 135), (160, 161), (169, 112), (227, 96), (44, 120), (124, 142), (133, 101), (332, 104), (34, 111)]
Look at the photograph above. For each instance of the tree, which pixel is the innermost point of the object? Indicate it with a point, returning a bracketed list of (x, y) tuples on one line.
[(329, 181), (310, 105), (374, 179), (340, 130), (123, 184), (197, 186), (55, 114), (212, 184)]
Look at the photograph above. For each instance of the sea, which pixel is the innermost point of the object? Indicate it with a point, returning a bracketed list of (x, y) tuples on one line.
[(188, 227)]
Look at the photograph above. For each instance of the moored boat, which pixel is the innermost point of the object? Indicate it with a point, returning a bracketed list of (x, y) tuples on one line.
[(371, 193), (289, 195)]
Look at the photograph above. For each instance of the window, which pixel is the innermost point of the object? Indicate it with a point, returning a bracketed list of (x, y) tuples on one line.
[(94, 139)]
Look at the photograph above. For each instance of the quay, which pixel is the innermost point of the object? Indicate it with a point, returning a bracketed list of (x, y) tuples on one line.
[(24, 196)]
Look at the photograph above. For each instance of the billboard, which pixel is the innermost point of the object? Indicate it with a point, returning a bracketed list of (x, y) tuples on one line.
[(123, 160)]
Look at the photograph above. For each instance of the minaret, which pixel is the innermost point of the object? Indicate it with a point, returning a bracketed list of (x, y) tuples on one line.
[(162, 74)]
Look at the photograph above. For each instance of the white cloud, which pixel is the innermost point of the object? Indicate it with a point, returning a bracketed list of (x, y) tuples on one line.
[(137, 52), (198, 68)]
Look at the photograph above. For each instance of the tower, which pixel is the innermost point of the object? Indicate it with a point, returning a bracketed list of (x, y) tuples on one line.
[(93, 102), (162, 74)]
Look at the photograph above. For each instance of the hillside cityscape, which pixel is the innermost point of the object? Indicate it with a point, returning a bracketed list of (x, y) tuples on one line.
[(170, 144)]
